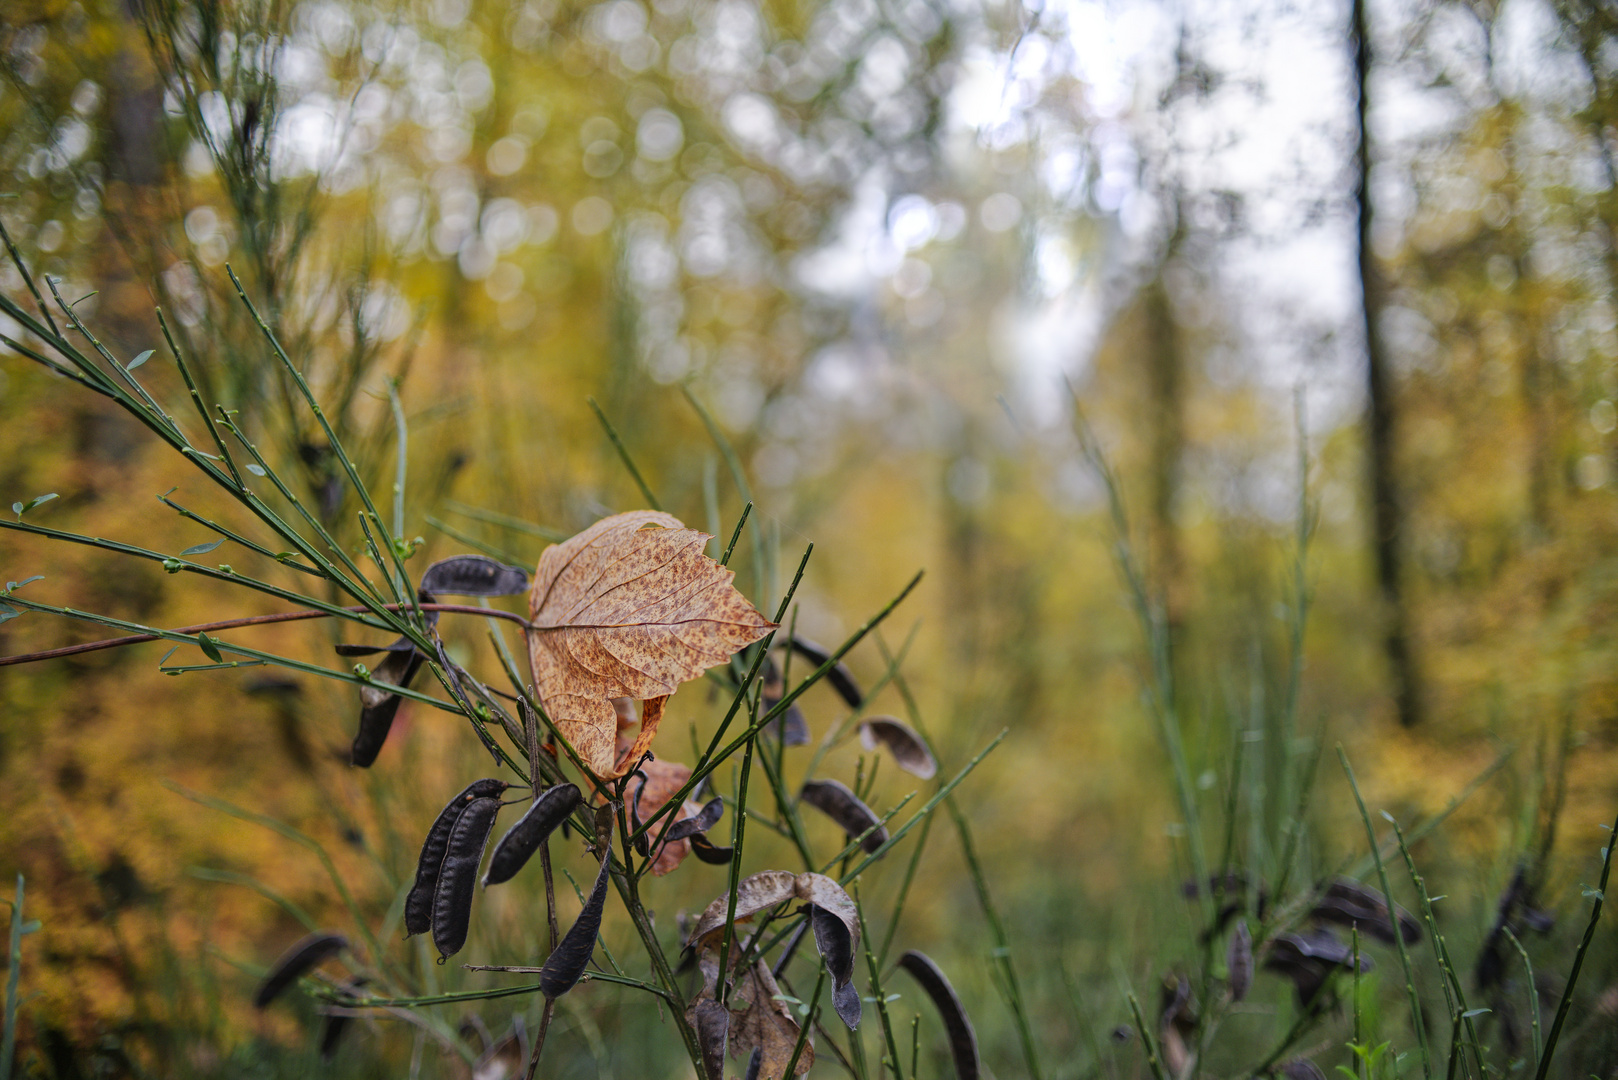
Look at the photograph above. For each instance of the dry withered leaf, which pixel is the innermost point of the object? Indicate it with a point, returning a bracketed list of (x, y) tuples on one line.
[(963, 1041), (473, 575), (832, 915), (565, 966), (458, 874), (520, 842), (764, 1026), (304, 954), (1239, 959), (630, 607), (836, 801), (418, 912), (661, 781), (909, 750)]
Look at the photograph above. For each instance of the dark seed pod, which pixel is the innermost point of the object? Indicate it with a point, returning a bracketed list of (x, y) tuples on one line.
[(378, 706), (841, 679), (909, 750), (473, 575), (754, 1063), (418, 912), (1515, 912), (303, 955), (1239, 959), (1302, 1069), (846, 1000), (349, 649), (704, 850), (331, 1036), (520, 842), (566, 964), (712, 1023), (832, 798), (835, 940), (458, 875), (705, 820), (790, 726), (1349, 903), (1309, 960), (963, 1041), (1320, 944)]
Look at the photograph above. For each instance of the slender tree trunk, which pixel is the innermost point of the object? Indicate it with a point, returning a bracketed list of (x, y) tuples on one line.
[(1386, 539)]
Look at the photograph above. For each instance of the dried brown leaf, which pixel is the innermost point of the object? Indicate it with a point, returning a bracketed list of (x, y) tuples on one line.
[(630, 607), (663, 779), (766, 1026)]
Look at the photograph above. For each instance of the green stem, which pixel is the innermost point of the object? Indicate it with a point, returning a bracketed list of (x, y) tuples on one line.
[(1578, 960), (629, 463), (1398, 938), (1533, 991)]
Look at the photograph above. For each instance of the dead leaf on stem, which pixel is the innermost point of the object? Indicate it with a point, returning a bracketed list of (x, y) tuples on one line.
[(630, 607)]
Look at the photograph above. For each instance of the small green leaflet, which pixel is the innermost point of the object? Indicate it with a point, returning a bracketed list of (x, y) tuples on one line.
[(7, 613), (139, 360), (257, 470), (21, 508), (13, 586), (201, 549), (209, 648)]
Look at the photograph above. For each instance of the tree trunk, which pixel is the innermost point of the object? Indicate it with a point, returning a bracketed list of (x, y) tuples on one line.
[(1386, 524)]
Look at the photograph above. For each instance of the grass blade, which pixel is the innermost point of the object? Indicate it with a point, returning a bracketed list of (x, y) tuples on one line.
[(1578, 959)]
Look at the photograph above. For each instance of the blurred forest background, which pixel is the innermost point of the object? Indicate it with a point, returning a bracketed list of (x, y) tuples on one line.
[(896, 248)]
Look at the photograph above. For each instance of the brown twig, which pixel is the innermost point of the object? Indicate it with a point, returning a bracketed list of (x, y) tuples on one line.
[(539, 1036), (251, 620)]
